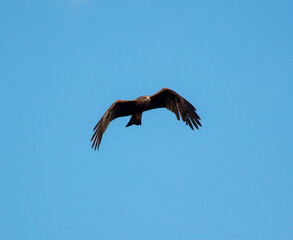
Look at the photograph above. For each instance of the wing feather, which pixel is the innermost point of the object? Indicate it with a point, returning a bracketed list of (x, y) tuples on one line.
[(119, 108), (167, 98)]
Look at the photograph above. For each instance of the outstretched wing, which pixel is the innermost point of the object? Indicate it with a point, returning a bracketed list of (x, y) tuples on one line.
[(167, 98), (119, 108)]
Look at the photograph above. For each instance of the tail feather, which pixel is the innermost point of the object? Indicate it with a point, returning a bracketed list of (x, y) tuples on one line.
[(134, 120)]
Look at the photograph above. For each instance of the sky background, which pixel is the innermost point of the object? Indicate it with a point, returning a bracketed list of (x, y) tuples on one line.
[(64, 62)]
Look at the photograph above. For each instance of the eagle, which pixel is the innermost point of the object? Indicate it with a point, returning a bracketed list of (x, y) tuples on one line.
[(165, 98)]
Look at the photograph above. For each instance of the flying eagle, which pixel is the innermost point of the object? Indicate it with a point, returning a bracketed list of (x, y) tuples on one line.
[(165, 98)]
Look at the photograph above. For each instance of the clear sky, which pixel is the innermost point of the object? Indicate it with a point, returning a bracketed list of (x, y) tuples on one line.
[(64, 62)]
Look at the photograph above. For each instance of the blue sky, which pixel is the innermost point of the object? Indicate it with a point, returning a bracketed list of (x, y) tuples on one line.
[(63, 63)]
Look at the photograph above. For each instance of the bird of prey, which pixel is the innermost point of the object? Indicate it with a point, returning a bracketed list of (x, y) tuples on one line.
[(165, 98)]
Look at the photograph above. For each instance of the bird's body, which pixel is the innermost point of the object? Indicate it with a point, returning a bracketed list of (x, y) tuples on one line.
[(142, 104), (165, 98)]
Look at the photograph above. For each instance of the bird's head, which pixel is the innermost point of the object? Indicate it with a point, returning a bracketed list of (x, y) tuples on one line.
[(146, 99)]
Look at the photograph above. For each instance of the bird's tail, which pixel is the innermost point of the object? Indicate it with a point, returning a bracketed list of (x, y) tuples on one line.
[(135, 120)]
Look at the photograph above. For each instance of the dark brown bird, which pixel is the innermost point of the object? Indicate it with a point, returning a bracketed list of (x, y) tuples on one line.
[(165, 98)]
